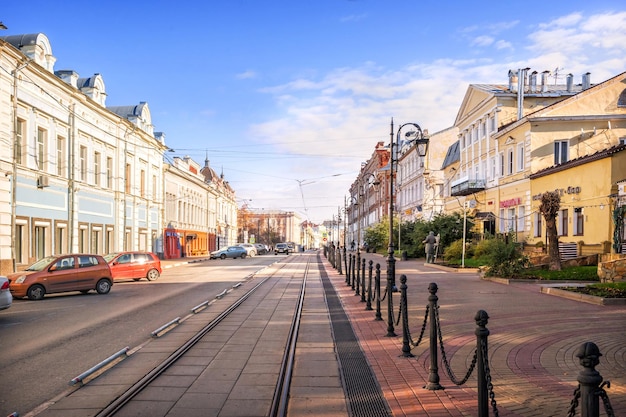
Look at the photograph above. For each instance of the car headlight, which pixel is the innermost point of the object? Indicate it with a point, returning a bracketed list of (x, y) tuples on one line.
[(20, 279)]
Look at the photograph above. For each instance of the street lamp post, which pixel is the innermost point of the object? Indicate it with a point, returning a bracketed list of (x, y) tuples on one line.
[(421, 143)]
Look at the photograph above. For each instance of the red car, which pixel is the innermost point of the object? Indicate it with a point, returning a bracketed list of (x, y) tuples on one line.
[(134, 265)]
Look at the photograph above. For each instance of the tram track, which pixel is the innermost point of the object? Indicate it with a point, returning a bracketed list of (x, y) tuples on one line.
[(280, 398)]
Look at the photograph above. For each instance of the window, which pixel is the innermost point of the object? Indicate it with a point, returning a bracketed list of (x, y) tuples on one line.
[(521, 219), (41, 150), (538, 224), (83, 163), (40, 241), (83, 240), (154, 187), (579, 222), (60, 238), (561, 223), (142, 183), (520, 157), (19, 243), (97, 161), (127, 179), (509, 166), (20, 145), (561, 148), (494, 168), (501, 167), (622, 141), (109, 172), (502, 225), (492, 124), (511, 224), (61, 157)]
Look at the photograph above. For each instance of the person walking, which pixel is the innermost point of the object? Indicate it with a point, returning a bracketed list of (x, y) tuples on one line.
[(429, 246)]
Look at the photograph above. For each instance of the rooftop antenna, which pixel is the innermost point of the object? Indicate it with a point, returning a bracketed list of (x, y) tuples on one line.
[(555, 73)]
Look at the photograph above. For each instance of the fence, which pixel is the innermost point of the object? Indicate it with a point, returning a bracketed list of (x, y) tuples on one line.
[(587, 395)]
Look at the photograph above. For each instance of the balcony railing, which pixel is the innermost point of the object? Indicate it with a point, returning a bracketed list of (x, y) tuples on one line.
[(466, 186)]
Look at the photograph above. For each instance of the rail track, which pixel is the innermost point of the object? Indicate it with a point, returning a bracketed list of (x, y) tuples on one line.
[(280, 398)]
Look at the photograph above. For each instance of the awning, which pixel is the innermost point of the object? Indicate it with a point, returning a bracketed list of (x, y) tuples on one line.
[(485, 215)]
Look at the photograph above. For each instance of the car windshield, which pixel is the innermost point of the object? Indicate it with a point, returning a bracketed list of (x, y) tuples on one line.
[(41, 264), (110, 256)]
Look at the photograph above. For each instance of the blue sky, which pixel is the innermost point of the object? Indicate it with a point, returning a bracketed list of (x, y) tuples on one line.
[(287, 98)]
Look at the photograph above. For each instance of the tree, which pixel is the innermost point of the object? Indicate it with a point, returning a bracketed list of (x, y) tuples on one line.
[(549, 208)]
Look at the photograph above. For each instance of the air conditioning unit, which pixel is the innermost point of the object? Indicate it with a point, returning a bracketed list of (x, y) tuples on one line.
[(42, 181)]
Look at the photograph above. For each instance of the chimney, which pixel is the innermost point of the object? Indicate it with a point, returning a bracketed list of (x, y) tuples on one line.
[(68, 76), (533, 82), (544, 81), (512, 80), (570, 83), (586, 81)]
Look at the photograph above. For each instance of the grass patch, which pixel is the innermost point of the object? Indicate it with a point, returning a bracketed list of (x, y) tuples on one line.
[(605, 290), (574, 273)]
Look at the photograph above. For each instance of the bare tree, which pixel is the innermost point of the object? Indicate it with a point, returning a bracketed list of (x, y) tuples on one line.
[(549, 208)]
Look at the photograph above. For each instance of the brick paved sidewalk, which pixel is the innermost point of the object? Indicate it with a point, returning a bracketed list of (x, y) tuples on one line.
[(532, 344)]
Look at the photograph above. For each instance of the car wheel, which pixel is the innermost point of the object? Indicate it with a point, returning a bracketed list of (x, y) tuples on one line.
[(36, 292), (152, 275), (103, 286), (243, 256), (223, 256)]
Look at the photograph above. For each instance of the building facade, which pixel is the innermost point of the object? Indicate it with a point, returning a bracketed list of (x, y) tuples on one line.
[(79, 176)]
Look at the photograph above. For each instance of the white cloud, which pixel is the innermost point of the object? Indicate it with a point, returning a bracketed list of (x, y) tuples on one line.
[(246, 75)]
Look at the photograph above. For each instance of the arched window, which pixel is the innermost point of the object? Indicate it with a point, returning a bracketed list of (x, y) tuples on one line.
[(621, 101)]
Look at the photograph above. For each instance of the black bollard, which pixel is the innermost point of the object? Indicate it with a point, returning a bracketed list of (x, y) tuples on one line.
[(481, 348), (363, 281), (589, 379), (379, 316), (348, 264), (390, 286), (433, 376), (406, 347), (358, 271), (353, 272), (345, 260), (368, 305), (339, 261)]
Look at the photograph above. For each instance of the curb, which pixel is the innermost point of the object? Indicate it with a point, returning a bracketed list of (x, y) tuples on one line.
[(586, 298)]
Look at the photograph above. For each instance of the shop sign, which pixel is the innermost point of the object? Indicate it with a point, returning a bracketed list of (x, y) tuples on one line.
[(561, 191), (511, 202)]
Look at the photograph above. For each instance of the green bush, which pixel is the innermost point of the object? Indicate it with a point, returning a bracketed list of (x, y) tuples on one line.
[(454, 253), (506, 259), (485, 248)]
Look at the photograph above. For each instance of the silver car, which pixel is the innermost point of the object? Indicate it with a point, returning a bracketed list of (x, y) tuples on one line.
[(6, 299)]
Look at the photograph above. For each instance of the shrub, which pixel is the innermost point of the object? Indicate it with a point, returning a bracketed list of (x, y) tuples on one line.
[(454, 252), (506, 259)]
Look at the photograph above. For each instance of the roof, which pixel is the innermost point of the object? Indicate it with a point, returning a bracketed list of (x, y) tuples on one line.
[(579, 161), (453, 155)]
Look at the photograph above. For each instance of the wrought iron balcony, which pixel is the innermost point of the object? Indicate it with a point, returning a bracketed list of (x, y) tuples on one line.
[(466, 186)]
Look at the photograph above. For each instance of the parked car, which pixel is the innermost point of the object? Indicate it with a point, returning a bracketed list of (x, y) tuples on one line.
[(281, 248), (6, 299), (261, 249), (250, 248), (134, 265), (230, 252), (62, 273)]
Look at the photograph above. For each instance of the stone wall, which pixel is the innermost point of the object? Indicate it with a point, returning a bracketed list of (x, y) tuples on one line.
[(612, 267)]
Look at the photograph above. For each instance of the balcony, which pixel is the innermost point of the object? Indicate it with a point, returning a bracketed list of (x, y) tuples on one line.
[(466, 186)]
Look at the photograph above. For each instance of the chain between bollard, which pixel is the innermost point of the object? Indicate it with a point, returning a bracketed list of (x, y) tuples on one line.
[(605, 399), (444, 358), (416, 344)]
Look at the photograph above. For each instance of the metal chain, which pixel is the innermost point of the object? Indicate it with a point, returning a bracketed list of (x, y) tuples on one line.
[(492, 395), (605, 399), (445, 359), (574, 403), (408, 332), (384, 296)]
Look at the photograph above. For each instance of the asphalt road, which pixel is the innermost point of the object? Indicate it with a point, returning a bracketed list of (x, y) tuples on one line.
[(44, 344)]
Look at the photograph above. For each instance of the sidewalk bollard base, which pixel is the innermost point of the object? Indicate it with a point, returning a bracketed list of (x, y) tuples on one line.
[(433, 386)]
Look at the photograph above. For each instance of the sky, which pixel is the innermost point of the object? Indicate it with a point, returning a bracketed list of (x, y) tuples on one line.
[(288, 98)]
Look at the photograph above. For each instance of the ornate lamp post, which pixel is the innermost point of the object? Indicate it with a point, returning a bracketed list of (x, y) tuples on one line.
[(417, 137)]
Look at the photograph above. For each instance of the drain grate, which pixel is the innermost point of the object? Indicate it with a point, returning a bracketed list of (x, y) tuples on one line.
[(365, 398)]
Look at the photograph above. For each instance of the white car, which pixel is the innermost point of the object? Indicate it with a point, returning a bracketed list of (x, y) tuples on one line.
[(6, 299), (249, 247)]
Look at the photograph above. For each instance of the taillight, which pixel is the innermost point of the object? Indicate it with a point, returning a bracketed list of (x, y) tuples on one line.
[(5, 285)]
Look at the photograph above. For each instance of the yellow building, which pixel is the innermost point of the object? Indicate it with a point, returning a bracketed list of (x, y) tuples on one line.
[(508, 134)]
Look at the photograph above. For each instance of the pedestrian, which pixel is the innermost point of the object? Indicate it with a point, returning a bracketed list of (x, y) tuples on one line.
[(429, 247)]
